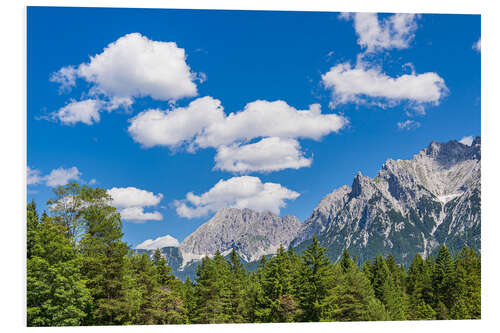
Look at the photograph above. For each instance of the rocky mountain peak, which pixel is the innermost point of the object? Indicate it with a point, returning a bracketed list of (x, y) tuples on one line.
[(250, 232), (411, 205)]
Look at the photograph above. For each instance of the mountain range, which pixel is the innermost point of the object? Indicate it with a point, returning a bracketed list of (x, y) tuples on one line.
[(409, 207)]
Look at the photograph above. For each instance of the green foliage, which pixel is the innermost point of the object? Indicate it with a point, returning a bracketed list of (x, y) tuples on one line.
[(352, 299), (56, 292), (316, 278)]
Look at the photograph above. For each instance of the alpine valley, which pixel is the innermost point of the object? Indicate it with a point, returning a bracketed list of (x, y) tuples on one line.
[(409, 207)]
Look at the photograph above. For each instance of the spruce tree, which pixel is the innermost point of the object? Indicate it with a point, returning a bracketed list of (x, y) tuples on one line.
[(104, 264), (212, 291), (351, 298), (32, 224), (237, 282), (443, 283), (467, 291), (315, 280), (278, 290), (419, 289)]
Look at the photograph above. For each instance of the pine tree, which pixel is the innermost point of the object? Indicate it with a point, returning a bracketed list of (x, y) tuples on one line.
[(237, 281), (188, 297), (352, 298), (278, 289), (104, 263), (164, 273), (32, 224), (212, 291), (315, 280), (467, 291), (419, 289), (443, 283), (346, 262)]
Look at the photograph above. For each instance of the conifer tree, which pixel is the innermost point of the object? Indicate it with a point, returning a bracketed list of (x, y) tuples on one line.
[(419, 289), (188, 297), (346, 262), (104, 264), (443, 283), (164, 273), (352, 298), (467, 291), (315, 280), (32, 223), (212, 291), (237, 281), (278, 290)]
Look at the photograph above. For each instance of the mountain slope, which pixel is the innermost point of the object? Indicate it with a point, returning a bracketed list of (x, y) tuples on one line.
[(409, 207), (252, 234)]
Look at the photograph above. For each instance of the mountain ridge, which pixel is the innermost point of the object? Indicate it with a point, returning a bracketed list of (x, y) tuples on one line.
[(408, 207)]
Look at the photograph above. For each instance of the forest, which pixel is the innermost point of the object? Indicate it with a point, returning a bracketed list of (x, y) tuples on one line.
[(81, 273)]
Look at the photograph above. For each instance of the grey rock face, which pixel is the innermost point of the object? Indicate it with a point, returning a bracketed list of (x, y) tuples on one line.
[(409, 207), (252, 234)]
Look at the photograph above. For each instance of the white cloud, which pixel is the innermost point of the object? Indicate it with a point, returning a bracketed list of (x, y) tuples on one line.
[(239, 192), (394, 32), (177, 126), (131, 202), (361, 83), (477, 45), (131, 67), (62, 176), (133, 197), (66, 77), (270, 119), (33, 176), (158, 243), (269, 154), (137, 214), (203, 123), (408, 125), (135, 66), (86, 111), (467, 140)]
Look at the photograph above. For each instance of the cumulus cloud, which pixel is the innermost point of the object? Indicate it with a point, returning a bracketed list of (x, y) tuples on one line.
[(62, 176), (271, 119), (466, 140), (86, 111), (57, 177), (204, 124), (137, 214), (477, 45), (135, 66), (177, 126), (131, 196), (66, 77), (33, 176), (158, 243), (239, 192), (131, 67), (394, 32), (408, 125), (269, 154), (365, 84), (131, 202)]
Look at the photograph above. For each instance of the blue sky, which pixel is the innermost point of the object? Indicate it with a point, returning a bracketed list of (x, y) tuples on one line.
[(151, 119)]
